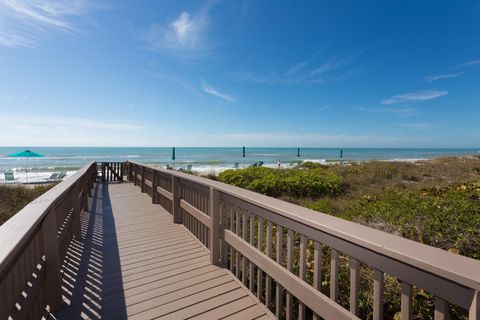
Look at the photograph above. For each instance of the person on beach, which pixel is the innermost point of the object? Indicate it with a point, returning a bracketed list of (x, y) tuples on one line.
[(279, 165)]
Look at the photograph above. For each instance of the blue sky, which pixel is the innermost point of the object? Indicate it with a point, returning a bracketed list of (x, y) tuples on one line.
[(230, 73)]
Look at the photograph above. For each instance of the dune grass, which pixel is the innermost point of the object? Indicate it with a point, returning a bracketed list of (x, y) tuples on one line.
[(14, 198), (435, 202)]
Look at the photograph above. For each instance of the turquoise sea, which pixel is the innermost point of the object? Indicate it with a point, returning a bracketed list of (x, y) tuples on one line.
[(204, 159)]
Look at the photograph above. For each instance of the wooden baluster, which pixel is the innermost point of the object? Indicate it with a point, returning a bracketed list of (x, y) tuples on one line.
[(301, 273), (143, 179), (154, 187), (260, 248), (53, 292), (278, 291), (76, 223), (223, 226), (103, 172), (134, 174), (214, 240), (474, 311), (251, 277), (289, 299), (378, 287), (237, 232), (354, 285), (176, 213), (334, 268), (232, 228), (406, 301), (244, 236), (268, 279), (441, 309)]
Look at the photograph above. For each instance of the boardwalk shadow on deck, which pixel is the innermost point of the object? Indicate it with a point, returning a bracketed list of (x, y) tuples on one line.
[(92, 281)]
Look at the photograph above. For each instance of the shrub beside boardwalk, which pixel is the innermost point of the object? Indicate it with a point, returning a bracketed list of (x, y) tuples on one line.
[(435, 202)]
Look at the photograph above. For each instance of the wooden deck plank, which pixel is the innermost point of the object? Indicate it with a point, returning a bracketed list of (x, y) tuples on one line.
[(134, 263)]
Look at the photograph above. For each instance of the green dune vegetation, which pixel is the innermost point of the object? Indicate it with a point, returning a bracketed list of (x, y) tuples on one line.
[(435, 202), (14, 198)]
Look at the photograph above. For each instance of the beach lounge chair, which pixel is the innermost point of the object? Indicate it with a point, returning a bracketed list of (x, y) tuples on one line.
[(9, 176), (62, 175), (54, 176), (236, 165), (189, 167), (260, 163)]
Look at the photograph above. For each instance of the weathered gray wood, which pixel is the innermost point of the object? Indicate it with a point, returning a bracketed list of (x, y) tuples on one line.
[(214, 227), (237, 231), (474, 311), (312, 298), (354, 286), (268, 279), (289, 297), (378, 287), (434, 270), (441, 309), (251, 276), (301, 272), (53, 293), (244, 237), (279, 258), (259, 271), (197, 214), (169, 277), (406, 301), (334, 268), (76, 224), (317, 269), (176, 214)]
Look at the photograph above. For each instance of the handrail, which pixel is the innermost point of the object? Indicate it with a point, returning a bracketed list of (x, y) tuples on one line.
[(450, 277), (37, 238)]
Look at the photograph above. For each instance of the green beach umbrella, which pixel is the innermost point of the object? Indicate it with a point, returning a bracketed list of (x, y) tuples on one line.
[(26, 154), (173, 153), (244, 151)]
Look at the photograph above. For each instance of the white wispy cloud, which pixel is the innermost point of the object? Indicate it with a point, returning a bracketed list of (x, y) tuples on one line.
[(402, 112), (469, 63), (322, 108), (423, 95), (443, 76), (186, 33), (302, 72), (174, 79), (297, 67), (27, 23), (214, 92)]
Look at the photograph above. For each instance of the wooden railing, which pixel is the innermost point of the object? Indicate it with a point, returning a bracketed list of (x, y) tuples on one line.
[(33, 245), (267, 244), (112, 171)]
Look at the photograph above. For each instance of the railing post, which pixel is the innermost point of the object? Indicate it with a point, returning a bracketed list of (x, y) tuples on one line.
[(52, 291), (154, 187), (134, 174), (474, 312), (76, 222), (214, 240), (103, 171), (122, 164), (177, 217), (143, 179)]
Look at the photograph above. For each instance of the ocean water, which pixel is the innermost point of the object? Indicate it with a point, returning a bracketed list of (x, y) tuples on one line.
[(202, 159)]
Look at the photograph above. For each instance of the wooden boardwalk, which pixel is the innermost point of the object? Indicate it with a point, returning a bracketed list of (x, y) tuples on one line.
[(135, 263)]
